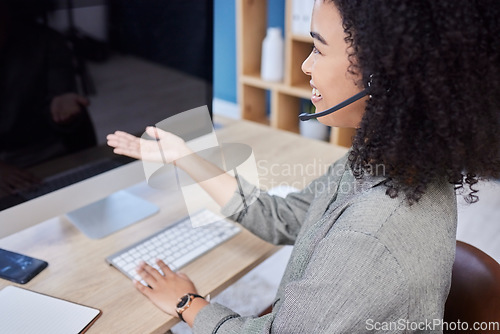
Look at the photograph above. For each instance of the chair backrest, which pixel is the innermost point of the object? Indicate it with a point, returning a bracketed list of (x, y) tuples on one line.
[(475, 288)]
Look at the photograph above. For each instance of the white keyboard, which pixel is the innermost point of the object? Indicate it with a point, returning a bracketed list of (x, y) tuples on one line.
[(177, 244)]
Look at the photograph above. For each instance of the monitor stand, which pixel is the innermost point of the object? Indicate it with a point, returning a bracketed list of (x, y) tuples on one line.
[(111, 214)]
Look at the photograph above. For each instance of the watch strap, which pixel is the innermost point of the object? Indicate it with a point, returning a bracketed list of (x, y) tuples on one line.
[(181, 308)]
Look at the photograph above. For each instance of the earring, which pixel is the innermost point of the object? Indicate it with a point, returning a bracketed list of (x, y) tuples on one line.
[(369, 84)]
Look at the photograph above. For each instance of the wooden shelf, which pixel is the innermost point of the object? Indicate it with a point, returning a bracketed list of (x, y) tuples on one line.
[(256, 81), (285, 97), (300, 90)]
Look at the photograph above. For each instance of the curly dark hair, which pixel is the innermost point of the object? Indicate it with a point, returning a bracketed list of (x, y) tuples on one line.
[(435, 90)]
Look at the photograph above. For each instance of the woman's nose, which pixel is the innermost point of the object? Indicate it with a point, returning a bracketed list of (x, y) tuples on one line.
[(306, 65)]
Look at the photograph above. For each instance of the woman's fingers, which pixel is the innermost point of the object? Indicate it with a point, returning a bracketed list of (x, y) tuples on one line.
[(146, 291), (151, 275), (122, 139), (125, 144), (166, 148), (166, 269), (147, 274)]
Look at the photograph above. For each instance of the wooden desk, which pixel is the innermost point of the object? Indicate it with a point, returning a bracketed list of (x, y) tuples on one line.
[(78, 272)]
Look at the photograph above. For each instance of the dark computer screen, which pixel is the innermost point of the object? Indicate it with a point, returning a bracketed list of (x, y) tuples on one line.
[(63, 87)]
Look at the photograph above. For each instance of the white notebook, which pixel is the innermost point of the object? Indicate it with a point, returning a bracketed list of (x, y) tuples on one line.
[(25, 311)]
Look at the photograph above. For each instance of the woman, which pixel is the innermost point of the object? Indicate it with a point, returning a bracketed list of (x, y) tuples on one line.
[(373, 248)]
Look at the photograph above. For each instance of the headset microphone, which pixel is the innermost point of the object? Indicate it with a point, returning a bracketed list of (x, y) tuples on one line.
[(354, 98)]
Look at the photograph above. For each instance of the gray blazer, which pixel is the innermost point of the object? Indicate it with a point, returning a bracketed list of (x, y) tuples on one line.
[(362, 262)]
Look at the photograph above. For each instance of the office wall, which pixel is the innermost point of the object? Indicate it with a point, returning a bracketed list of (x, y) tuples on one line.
[(225, 85)]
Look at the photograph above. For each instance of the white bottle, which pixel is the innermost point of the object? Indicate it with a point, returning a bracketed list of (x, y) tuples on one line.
[(272, 62)]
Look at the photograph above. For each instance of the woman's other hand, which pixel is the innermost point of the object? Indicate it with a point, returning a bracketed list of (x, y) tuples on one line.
[(166, 287)]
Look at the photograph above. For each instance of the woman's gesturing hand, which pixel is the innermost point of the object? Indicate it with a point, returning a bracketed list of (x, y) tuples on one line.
[(166, 148)]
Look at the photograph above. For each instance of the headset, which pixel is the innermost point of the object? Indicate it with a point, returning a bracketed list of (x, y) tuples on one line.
[(352, 99)]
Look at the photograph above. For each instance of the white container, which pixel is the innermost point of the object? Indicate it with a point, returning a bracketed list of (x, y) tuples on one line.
[(301, 16), (273, 56)]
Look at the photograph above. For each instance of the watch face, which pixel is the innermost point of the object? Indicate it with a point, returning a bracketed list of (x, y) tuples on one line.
[(183, 301)]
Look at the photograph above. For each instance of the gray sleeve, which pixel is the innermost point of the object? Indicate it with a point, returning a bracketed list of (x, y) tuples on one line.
[(275, 219), (350, 283)]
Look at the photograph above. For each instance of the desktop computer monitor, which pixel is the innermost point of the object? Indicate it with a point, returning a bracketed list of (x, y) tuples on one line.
[(136, 63)]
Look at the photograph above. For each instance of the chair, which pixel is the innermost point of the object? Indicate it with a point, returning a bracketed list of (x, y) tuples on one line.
[(475, 289)]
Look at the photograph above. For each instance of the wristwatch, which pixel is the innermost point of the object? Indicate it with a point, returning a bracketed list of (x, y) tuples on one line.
[(184, 303)]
